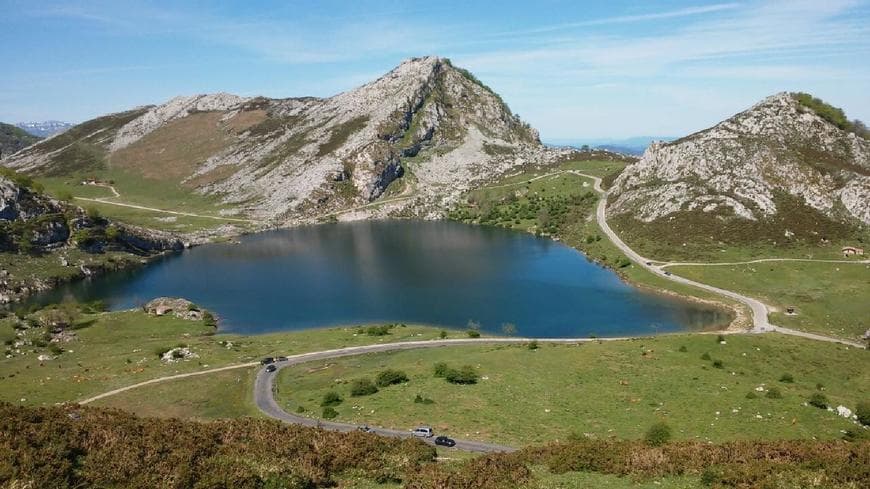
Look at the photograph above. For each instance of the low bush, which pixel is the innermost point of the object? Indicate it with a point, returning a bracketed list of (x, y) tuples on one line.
[(787, 378), (329, 413), (441, 369), (818, 400), (862, 412), (473, 333), (382, 330), (533, 345), (706, 357), (751, 395), (331, 398), (362, 387), (718, 364), (658, 434), (390, 377), (773, 393), (465, 375), (683, 349)]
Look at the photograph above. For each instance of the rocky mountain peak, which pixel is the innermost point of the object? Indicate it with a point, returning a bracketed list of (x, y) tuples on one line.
[(788, 149), (426, 129)]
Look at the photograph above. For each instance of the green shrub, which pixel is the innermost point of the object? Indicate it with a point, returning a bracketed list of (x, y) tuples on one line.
[(533, 345), (300, 409), (329, 413), (773, 393), (473, 334), (363, 387), (441, 369), (464, 375), (442, 334), (389, 377), (683, 349), (382, 330), (55, 349), (331, 398), (787, 378), (658, 434), (751, 395), (862, 411), (818, 400), (718, 364), (706, 357), (209, 320)]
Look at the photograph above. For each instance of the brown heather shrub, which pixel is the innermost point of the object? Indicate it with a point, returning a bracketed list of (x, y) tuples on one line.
[(46, 447), (501, 471), (744, 463)]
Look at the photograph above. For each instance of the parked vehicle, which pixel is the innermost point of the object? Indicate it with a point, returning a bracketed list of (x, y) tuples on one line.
[(365, 428), (444, 441), (423, 432), (668, 273), (267, 361), (281, 359), (271, 368)]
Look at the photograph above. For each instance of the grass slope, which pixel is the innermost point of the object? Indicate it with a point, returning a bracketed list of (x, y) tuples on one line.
[(829, 298)]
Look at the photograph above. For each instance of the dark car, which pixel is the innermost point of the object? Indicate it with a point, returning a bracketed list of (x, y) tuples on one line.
[(281, 359), (668, 274), (267, 361), (444, 441), (271, 368)]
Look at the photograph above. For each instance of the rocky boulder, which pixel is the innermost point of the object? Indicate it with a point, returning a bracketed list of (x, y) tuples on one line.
[(180, 308)]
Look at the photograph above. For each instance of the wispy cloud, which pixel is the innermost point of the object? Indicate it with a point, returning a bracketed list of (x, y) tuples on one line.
[(627, 19)]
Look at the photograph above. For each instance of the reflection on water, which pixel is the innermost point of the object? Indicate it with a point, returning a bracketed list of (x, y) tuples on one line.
[(399, 271)]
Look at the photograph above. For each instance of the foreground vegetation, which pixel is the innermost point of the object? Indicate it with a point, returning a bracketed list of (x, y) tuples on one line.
[(83, 447), (748, 386)]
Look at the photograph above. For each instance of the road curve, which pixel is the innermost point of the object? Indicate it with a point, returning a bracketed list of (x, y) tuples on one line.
[(760, 324), (264, 386)]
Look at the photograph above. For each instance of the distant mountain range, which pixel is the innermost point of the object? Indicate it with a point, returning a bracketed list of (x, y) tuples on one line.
[(13, 139), (631, 146), (44, 129)]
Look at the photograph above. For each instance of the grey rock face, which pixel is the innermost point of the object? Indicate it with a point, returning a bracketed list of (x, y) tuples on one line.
[(740, 165)]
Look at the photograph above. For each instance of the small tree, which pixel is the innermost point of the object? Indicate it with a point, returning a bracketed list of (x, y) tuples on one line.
[(658, 434), (329, 413), (473, 333), (819, 400), (442, 334)]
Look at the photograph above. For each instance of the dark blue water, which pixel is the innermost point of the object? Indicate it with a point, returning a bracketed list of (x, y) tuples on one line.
[(440, 273)]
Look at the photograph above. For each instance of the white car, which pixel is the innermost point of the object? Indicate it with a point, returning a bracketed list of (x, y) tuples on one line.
[(423, 432)]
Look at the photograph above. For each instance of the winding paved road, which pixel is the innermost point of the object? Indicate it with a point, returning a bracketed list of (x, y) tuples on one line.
[(264, 387), (760, 324)]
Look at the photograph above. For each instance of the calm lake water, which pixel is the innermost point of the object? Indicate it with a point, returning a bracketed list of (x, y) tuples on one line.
[(442, 273)]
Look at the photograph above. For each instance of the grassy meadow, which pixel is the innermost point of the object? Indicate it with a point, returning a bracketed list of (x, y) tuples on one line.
[(601, 390)]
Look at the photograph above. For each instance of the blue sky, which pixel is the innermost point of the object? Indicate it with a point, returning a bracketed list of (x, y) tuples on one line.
[(572, 69)]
